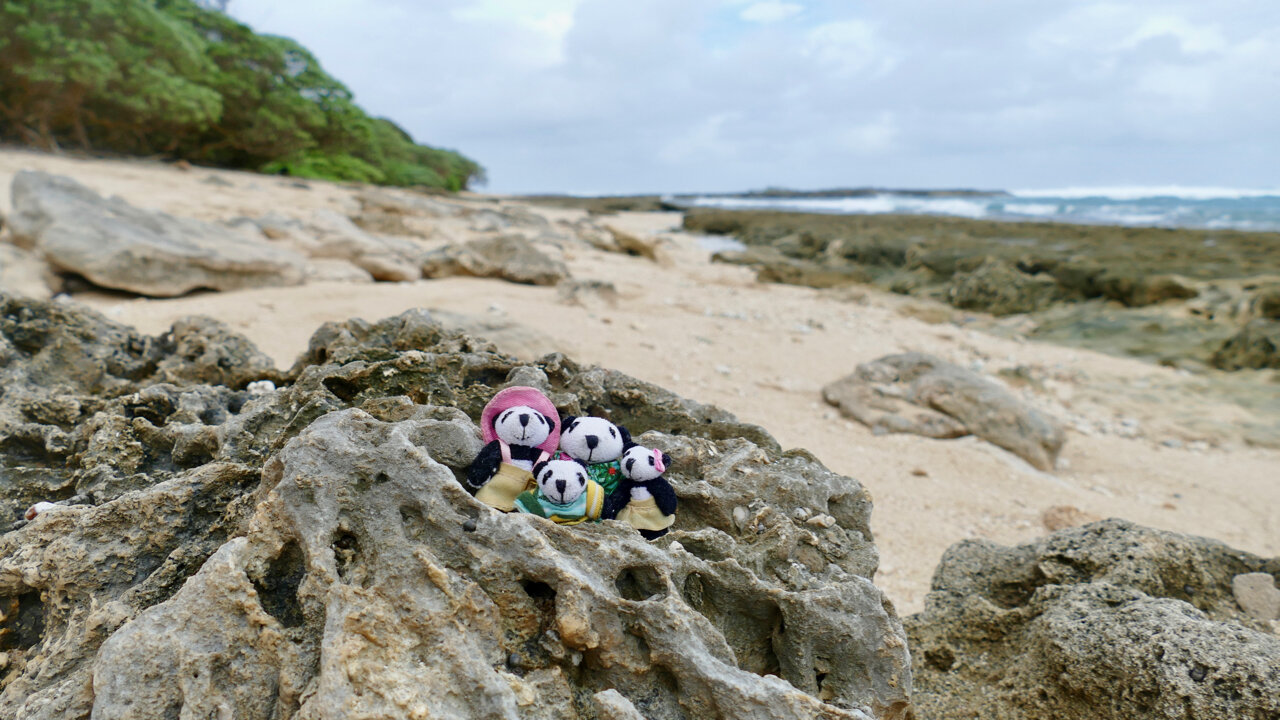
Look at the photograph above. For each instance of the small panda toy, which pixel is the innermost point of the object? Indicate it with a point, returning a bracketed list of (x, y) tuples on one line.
[(598, 444), (644, 498), (565, 494), (519, 426)]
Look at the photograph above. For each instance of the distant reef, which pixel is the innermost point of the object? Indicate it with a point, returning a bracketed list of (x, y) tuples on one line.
[(170, 78), (836, 193), (657, 203)]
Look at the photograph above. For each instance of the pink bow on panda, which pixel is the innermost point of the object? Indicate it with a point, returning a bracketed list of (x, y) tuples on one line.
[(657, 462)]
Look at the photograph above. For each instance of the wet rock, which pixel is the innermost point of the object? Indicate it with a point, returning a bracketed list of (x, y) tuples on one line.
[(1108, 621), (1256, 346), (924, 395), (509, 257), (116, 245), (773, 266), (1001, 289), (1257, 595)]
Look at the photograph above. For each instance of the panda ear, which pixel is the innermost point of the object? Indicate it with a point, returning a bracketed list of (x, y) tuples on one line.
[(627, 442), (578, 461), (537, 469), (567, 421)]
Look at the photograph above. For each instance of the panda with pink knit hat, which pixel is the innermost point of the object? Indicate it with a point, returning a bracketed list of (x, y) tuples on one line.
[(520, 427)]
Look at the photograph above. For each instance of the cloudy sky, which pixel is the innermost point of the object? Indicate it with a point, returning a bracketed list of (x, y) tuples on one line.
[(704, 95)]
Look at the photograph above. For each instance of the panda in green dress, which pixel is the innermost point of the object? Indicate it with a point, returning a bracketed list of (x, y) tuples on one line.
[(598, 444)]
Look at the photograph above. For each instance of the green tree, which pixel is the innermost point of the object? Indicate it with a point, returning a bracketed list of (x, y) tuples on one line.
[(174, 78)]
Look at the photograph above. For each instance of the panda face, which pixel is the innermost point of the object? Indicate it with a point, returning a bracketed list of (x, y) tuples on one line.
[(522, 425), (642, 464), (593, 440), (561, 481)]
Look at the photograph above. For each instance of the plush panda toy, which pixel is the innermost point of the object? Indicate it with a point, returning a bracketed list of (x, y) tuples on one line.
[(565, 494), (598, 444), (520, 427), (644, 499)]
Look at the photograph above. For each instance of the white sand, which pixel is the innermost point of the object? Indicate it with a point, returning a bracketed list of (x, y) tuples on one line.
[(711, 333)]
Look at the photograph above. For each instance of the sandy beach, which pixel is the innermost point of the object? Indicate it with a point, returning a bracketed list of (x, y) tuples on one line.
[(1137, 444)]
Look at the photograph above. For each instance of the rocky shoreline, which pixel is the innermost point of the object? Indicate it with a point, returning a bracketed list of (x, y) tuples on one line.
[(1187, 298), (226, 517), (308, 550)]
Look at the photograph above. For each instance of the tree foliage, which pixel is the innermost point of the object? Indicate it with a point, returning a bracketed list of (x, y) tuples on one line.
[(173, 78)]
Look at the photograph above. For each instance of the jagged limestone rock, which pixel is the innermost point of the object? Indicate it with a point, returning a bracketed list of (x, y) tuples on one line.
[(921, 394), (343, 569), (115, 245), (413, 614), (1103, 622), (509, 257)]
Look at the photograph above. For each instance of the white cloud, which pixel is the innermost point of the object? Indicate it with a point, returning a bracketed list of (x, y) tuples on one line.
[(771, 11), (848, 47), (875, 137), (671, 95)]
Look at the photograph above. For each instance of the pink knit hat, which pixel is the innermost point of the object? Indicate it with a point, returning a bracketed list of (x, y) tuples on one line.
[(520, 395)]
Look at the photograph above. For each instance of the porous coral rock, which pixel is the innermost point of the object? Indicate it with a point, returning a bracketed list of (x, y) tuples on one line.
[(343, 570), (1104, 622)]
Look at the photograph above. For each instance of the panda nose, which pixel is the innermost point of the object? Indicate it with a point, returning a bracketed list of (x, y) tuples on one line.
[(592, 441), (524, 419), (560, 487)]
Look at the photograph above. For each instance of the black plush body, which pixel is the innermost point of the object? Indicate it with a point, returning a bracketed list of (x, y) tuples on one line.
[(663, 494), (490, 457)]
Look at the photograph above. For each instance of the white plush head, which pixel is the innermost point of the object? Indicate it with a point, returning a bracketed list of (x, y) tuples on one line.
[(642, 464), (522, 425), (561, 481), (593, 439)]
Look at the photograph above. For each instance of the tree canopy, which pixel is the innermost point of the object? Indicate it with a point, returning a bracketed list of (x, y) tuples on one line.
[(173, 78)]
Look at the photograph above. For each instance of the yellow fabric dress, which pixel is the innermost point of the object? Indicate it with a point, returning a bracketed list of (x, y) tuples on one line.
[(645, 515), (505, 486)]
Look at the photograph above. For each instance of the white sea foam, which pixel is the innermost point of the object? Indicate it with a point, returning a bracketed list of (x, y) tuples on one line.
[(1033, 209), (1152, 206), (1141, 192)]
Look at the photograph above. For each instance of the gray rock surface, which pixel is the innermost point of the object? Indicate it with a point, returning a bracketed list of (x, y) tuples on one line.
[(1108, 621), (308, 552), (509, 257), (1257, 595), (23, 272), (386, 258), (115, 245), (921, 394)]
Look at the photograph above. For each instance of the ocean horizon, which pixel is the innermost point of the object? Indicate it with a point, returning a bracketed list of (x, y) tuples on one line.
[(1214, 208)]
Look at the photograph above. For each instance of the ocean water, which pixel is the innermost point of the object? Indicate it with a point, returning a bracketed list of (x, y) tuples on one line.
[(1181, 207)]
